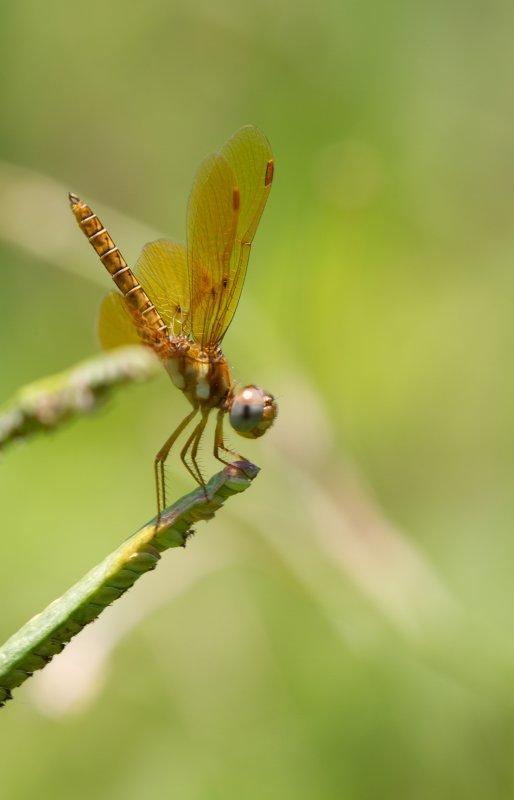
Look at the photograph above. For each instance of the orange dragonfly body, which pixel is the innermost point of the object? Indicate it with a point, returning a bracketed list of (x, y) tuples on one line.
[(180, 301)]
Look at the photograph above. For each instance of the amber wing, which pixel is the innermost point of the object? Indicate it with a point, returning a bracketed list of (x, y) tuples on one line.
[(226, 204), (249, 154), (212, 216), (115, 324), (162, 270)]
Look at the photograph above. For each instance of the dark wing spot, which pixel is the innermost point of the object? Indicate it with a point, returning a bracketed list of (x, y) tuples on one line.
[(205, 282), (270, 168)]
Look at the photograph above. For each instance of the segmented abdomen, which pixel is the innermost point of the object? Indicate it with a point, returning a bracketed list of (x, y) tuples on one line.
[(117, 267)]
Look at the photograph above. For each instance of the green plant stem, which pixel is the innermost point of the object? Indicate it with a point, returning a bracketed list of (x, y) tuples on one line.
[(46, 404), (46, 634)]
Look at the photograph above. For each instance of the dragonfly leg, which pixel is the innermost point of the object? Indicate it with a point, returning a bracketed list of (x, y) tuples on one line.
[(196, 444), (219, 444), (160, 460), (194, 441)]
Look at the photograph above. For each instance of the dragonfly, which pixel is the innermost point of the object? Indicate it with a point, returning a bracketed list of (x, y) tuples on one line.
[(180, 300)]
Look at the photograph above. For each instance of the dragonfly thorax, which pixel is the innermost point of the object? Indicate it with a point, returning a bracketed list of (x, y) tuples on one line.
[(203, 376)]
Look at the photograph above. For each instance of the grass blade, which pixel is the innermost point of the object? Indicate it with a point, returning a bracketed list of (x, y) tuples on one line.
[(46, 634), (46, 404)]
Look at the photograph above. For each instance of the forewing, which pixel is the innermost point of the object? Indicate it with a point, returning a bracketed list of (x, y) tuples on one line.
[(249, 154), (212, 220), (115, 324), (162, 271)]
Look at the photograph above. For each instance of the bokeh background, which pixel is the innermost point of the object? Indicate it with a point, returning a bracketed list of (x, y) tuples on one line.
[(345, 628)]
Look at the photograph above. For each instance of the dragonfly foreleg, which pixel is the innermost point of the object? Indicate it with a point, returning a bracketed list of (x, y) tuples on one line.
[(194, 441), (196, 444), (219, 444)]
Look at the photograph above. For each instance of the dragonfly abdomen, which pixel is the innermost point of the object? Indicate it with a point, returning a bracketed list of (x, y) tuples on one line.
[(112, 259)]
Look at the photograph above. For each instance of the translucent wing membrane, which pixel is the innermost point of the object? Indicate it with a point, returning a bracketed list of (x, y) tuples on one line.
[(120, 324), (162, 271), (115, 324), (249, 154), (211, 226)]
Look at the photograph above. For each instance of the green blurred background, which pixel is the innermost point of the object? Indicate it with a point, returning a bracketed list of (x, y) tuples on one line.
[(345, 628)]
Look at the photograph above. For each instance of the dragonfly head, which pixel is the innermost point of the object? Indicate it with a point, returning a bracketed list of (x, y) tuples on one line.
[(252, 411)]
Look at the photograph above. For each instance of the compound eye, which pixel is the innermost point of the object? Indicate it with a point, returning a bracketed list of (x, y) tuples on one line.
[(247, 410)]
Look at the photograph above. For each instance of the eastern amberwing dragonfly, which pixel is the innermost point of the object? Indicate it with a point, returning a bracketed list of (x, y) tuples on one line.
[(180, 300)]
